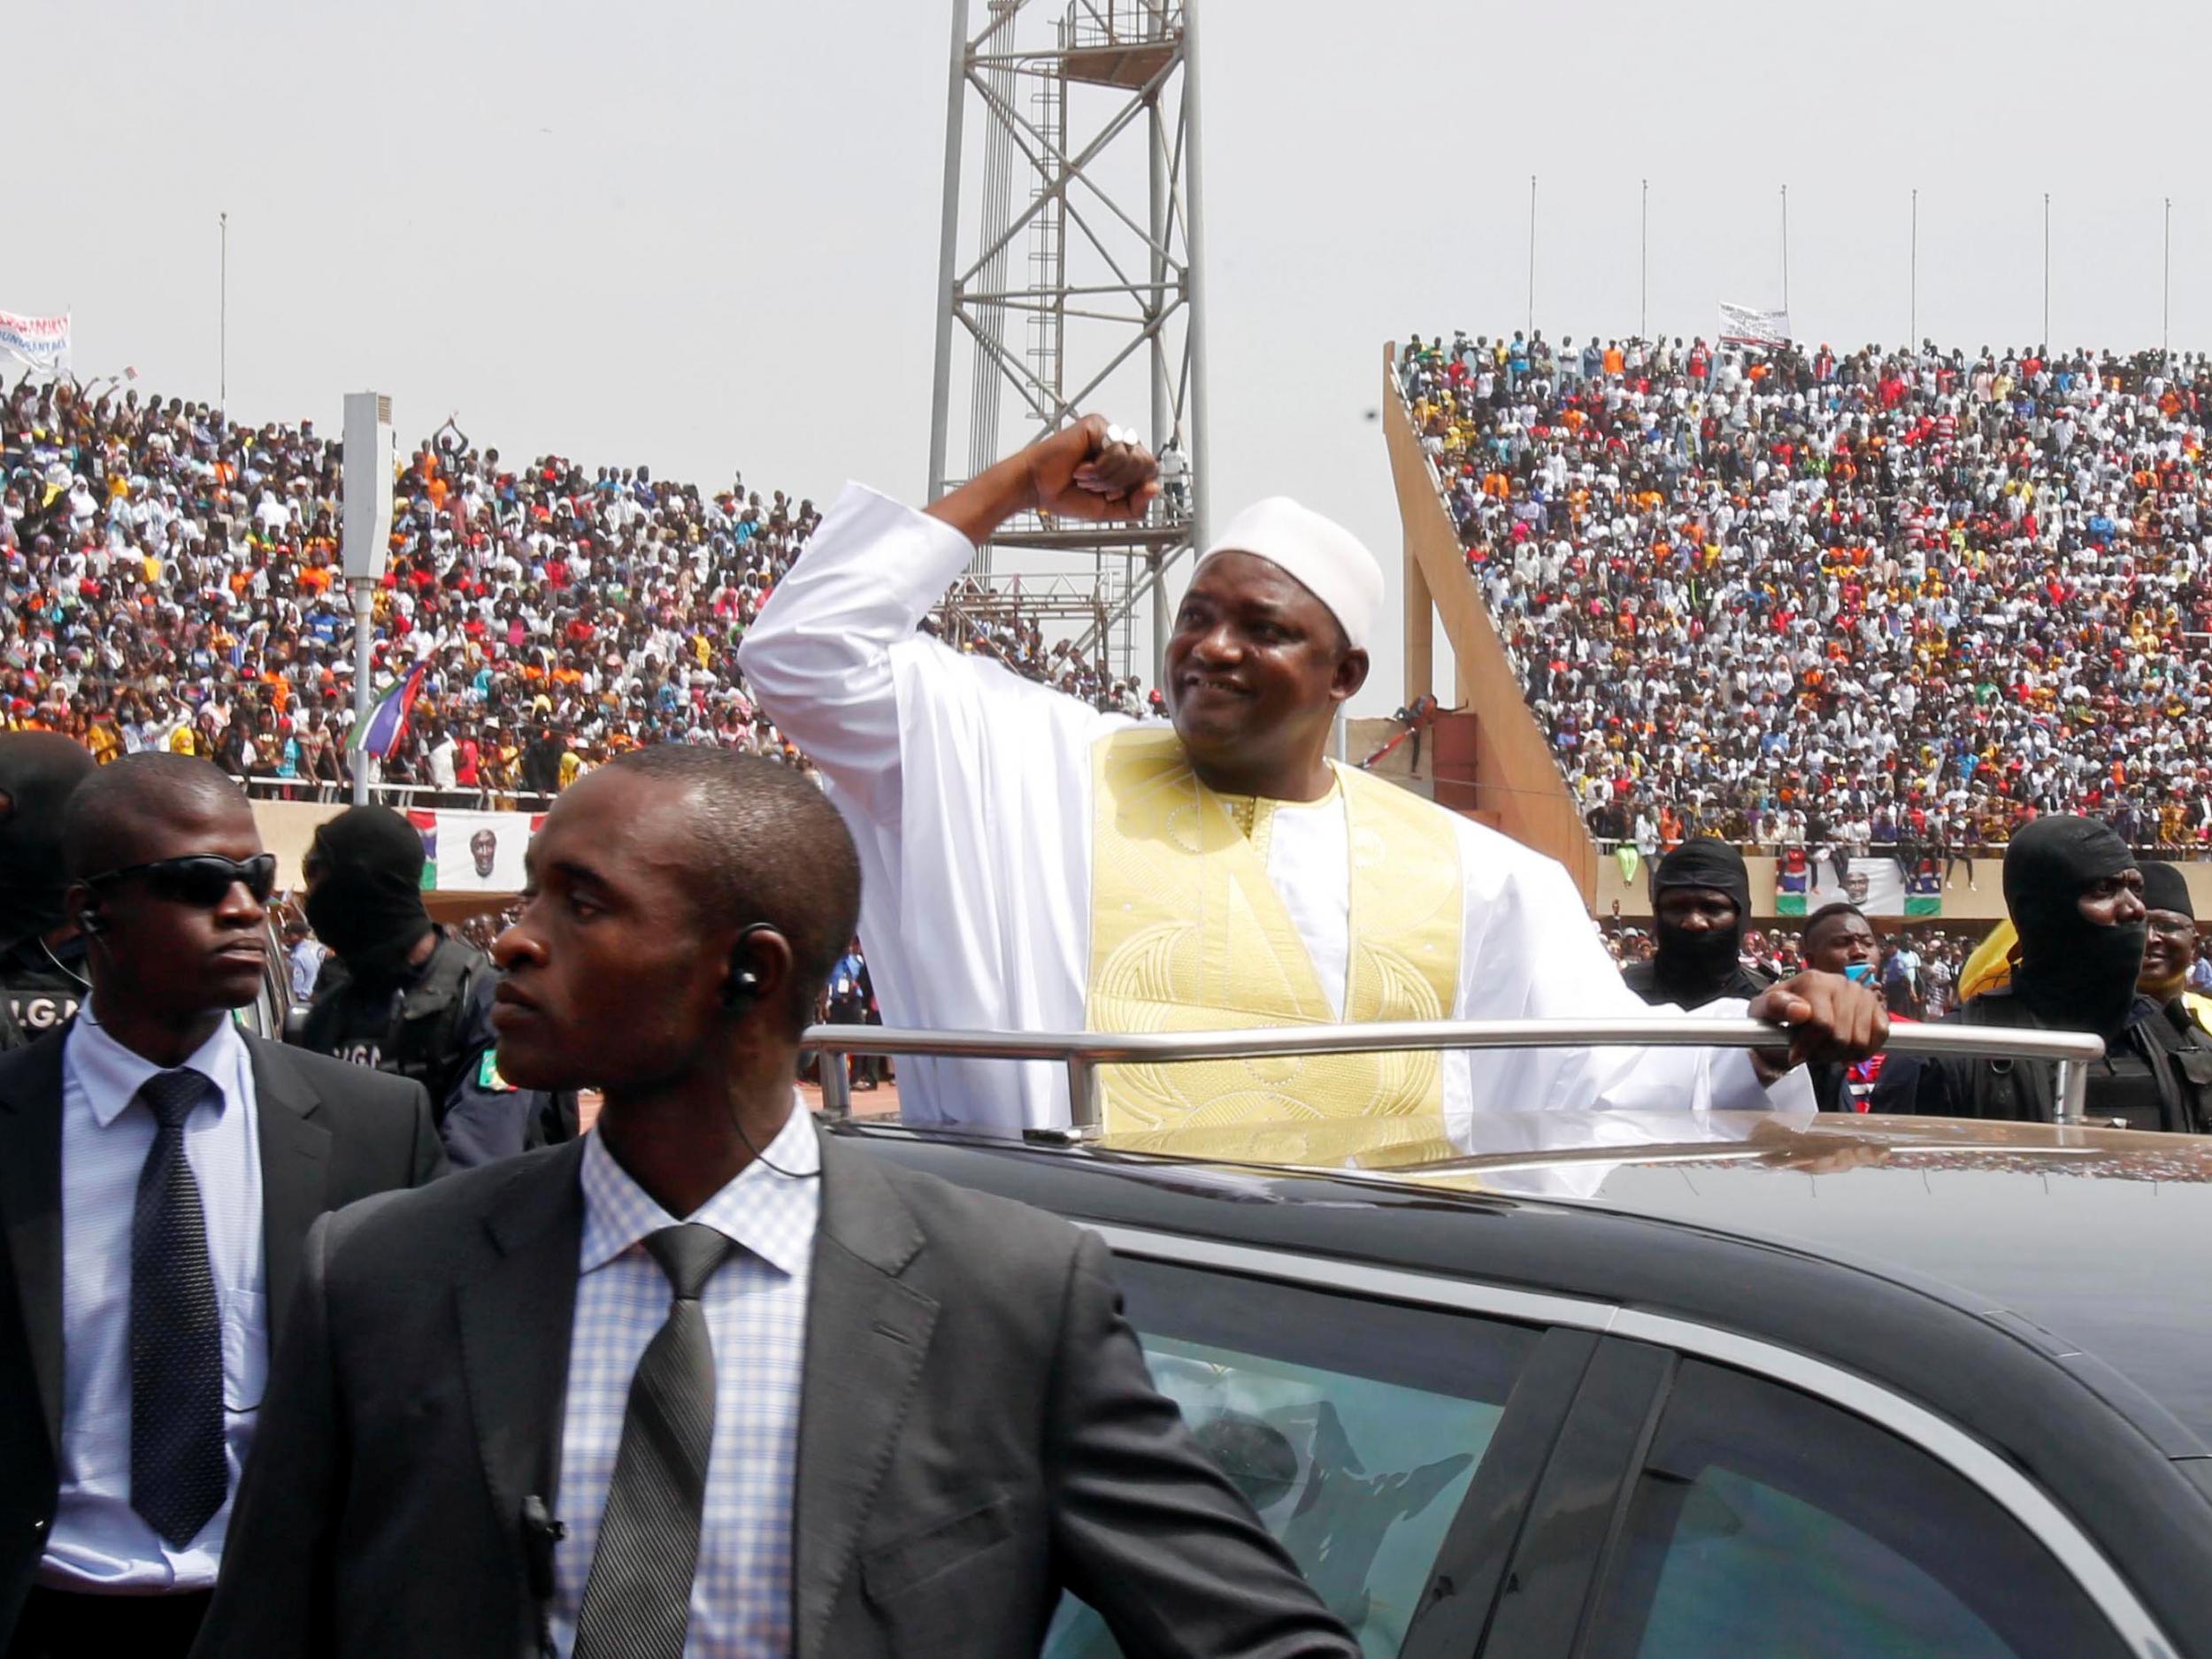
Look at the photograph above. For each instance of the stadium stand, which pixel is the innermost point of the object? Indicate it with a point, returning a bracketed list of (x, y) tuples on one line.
[(170, 581), (1867, 599)]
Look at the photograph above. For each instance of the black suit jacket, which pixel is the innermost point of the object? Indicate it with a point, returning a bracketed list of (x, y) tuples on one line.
[(977, 1430), (329, 1133)]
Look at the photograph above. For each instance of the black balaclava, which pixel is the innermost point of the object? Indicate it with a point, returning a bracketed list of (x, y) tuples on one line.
[(1698, 965), (2072, 974), (38, 771), (366, 901), (2166, 888)]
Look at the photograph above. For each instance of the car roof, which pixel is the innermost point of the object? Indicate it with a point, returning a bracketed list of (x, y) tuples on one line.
[(2078, 1239)]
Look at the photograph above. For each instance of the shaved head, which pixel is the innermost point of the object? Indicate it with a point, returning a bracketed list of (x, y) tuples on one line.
[(115, 813), (769, 848)]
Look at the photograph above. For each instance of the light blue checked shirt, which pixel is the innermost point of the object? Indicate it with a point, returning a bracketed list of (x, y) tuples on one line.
[(755, 1310)]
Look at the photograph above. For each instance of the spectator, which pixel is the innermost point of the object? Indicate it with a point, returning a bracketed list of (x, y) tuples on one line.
[(1838, 939), (304, 957), (1910, 599), (2170, 949), (171, 580)]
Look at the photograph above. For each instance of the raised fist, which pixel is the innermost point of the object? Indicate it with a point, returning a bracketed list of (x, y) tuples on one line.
[(1093, 472)]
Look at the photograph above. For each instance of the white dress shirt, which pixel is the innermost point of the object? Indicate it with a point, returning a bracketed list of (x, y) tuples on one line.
[(967, 792), (99, 1542), (755, 1310)]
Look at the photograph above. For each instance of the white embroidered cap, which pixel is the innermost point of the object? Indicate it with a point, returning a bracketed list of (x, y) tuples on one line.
[(1332, 563)]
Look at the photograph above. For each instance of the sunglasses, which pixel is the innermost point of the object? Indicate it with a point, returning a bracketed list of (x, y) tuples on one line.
[(201, 880)]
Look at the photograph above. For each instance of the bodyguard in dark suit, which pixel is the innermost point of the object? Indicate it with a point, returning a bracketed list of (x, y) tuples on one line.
[(707, 1383), (158, 1173)]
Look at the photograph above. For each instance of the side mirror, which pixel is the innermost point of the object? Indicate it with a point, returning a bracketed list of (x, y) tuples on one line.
[(295, 1025)]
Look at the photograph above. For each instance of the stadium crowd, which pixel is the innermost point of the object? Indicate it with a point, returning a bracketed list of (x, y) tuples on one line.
[(1863, 599), (169, 580)]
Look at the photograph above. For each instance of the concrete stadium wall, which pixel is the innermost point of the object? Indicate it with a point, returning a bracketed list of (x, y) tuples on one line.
[(288, 828), (1516, 776), (1983, 902)]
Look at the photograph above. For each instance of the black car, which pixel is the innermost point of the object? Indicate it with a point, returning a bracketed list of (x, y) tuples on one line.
[(1866, 1388)]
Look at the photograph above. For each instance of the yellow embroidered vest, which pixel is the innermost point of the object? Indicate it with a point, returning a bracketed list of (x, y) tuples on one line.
[(1187, 934)]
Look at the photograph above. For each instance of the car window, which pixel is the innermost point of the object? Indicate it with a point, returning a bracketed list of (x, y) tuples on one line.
[(1764, 1516), (1353, 1427)]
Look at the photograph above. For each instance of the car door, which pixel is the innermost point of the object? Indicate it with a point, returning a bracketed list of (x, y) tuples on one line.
[(1388, 1446), (1696, 1509)]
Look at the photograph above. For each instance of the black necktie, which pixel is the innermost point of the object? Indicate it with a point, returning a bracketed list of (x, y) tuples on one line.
[(177, 1475), (637, 1599)]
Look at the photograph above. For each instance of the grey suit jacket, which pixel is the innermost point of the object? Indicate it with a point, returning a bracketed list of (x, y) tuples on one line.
[(329, 1133), (977, 1431)]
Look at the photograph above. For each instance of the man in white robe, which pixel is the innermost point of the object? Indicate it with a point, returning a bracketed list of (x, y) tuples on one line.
[(1025, 856)]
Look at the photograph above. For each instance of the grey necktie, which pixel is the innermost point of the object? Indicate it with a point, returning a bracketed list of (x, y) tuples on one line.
[(637, 1599), (178, 1477)]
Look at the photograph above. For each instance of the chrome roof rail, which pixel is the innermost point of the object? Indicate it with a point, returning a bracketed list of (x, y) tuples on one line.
[(1083, 1052)]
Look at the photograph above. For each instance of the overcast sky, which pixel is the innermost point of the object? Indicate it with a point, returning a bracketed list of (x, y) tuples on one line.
[(704, 235)]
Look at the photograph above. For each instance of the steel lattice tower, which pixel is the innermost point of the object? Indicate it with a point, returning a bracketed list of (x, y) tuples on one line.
[(1079, 292)]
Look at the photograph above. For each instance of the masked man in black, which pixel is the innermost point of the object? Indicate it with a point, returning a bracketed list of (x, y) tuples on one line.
[(404, 995), (2075, 897), (1700, 898), (43, 975)]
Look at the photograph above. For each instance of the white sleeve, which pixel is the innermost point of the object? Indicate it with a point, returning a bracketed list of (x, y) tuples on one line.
[(818, 655), (1534, 955)]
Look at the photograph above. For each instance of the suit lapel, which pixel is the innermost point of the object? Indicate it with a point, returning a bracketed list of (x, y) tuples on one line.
[(516, 1315), (30, 1208), (295, 1169), (867, 1333)]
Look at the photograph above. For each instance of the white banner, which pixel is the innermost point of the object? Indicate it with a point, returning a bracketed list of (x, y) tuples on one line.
[(1749, 325), (1805, 881), (475, 852), (41, 341)]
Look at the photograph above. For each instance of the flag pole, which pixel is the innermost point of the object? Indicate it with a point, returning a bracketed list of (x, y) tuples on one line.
[(1531, 257)]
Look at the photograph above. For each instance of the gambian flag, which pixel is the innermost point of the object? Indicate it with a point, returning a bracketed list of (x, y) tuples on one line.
[(380, 729)]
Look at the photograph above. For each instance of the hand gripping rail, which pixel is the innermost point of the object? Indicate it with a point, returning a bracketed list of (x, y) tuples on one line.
[(1083, 1052)]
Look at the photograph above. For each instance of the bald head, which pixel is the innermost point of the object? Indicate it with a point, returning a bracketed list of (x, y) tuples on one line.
[(123, 809)]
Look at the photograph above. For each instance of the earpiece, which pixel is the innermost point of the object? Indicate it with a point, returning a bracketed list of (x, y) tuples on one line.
[(742, 992), (743, 989), (88, 921)]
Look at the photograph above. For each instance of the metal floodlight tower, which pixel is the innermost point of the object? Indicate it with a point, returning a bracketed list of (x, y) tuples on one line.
[(1084, 294)]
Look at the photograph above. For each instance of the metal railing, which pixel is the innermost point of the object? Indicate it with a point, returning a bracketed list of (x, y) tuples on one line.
[(1083, 1052), (399, 796)]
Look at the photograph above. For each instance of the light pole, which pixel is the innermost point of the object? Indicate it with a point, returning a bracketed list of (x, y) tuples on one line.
[(1912, 311), (1786, 251), (1532, 255), (222, 324), (1643, 270)]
